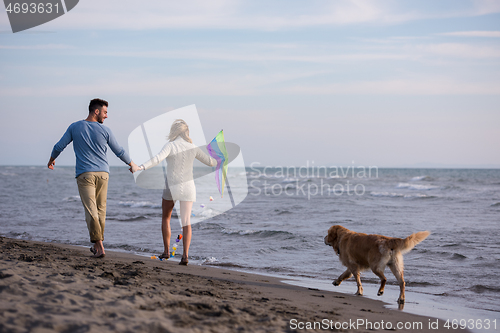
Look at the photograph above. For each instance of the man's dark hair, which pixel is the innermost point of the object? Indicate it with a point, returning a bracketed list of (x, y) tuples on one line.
[(97, 103)]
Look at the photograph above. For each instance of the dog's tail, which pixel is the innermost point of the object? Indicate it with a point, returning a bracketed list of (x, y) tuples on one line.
[(405, 245)]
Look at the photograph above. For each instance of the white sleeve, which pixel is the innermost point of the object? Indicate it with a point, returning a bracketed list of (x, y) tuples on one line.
[(158, 158), (204, 158)]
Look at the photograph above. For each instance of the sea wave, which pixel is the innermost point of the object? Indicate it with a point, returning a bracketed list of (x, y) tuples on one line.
[(134, 218), (420, 196), (266, 251), (259, 233), (208, 213), (139, 204), (420, 283), (402, 195), (8, 174), (282, 212), (208, 226), (496, 204), (458, 256), (221, 264), (386, 194), (290, 180), (420, 178), (72, 198), (129, 248), (479, 289), (17, 235), (416, 186), (450, 245), (210, 260)]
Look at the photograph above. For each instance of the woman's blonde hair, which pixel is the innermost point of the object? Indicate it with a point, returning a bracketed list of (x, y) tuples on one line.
[(179, 128)]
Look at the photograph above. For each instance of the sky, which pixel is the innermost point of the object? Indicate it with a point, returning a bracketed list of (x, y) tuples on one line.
[(363, 82)]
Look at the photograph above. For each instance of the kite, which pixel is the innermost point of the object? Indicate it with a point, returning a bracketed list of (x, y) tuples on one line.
[(217, 149)]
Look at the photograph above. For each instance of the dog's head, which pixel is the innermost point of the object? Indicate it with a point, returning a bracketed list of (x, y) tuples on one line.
[(333, 237)]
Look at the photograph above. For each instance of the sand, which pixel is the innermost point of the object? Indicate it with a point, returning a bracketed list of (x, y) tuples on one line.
[(47, 287)]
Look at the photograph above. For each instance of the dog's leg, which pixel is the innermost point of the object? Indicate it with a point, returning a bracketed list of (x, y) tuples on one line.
[(347, 274), (397, 268), (383, 280), (357, 275)]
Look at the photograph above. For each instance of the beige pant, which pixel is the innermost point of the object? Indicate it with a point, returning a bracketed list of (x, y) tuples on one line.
[(93, 189)]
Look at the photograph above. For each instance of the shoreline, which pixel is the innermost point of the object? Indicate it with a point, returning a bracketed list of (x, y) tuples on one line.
[(417, 303), (58, 287)]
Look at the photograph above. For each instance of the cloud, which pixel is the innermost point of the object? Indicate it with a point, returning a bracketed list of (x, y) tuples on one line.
[(459, 50), (472, 34), (313, 53), (255, 15), (37, 47), (256, 85), (136, 83), (429, 86), (485, 7), (219, 14), (246, 53), (179, 86)]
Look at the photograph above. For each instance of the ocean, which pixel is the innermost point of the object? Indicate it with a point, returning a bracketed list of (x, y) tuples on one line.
[(279, 228)]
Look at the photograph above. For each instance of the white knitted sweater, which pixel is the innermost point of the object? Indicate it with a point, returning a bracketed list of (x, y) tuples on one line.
[(180, 156)]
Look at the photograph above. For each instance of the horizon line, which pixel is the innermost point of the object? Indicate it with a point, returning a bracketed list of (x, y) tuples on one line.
[(416, 166)]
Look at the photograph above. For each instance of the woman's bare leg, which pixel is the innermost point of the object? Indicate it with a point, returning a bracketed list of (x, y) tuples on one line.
[(186, 207), (166, 213)]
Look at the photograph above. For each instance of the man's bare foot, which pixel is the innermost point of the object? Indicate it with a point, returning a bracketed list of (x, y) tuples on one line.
[(98, 250)]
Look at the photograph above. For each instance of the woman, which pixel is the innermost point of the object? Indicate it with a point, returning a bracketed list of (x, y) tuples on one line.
[(180, 153)]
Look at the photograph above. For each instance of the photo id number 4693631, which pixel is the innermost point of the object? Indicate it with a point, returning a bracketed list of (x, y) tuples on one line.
[(32, 8), (472, 324)]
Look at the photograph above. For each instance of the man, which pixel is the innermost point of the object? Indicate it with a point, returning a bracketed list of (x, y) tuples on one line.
[(90, 140)]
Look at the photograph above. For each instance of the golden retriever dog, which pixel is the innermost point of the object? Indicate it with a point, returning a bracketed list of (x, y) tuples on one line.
[(359, 252)]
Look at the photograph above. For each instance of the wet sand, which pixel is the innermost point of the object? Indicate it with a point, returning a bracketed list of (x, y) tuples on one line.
[(47, 287)]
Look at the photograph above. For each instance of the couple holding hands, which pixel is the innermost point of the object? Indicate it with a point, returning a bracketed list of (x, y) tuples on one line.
[(90, 141)]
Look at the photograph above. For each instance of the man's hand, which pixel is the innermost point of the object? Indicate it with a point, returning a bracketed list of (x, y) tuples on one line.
[(133, 167), (51, 163)]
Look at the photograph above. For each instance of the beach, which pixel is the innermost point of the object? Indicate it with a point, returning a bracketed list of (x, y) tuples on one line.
[(281, 235), (49, 287)]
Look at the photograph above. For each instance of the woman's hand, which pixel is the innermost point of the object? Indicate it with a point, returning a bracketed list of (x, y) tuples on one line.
[(133, 167)]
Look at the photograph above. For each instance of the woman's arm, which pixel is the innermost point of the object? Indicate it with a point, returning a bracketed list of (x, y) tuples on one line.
[(158, 158), (204, 158)]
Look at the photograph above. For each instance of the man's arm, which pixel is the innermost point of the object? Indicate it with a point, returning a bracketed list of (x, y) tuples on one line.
[(116, 148), (59, 147), (120, 152)]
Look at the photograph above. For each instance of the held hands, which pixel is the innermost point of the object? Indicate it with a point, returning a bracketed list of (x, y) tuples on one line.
[(134, 168)]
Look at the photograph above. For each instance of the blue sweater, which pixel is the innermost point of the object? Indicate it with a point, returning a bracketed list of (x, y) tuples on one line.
[(90, 141)]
